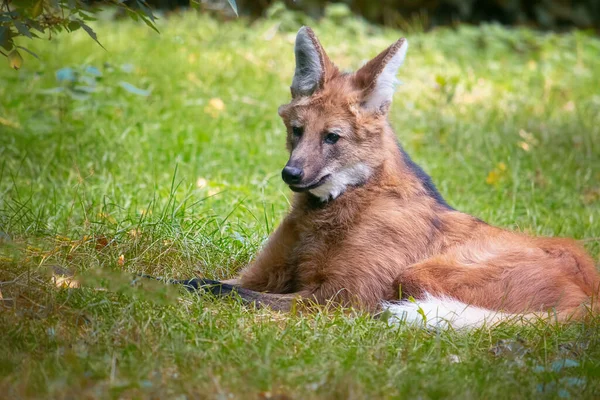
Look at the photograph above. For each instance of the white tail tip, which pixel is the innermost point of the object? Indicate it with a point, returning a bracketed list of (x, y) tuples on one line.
[(442, 312)]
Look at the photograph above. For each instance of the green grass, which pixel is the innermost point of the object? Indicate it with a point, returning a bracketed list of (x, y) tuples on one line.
[(507, 121)]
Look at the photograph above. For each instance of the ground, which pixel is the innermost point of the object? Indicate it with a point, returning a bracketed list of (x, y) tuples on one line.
[(162, 155)]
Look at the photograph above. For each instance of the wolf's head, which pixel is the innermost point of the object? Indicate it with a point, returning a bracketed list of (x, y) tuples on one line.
[(336, 121)]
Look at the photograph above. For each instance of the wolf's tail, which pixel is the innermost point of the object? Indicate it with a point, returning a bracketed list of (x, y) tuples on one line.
[(445, 312)]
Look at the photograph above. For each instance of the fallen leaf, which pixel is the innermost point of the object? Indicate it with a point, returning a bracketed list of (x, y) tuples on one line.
[(569, 106), (214, 107), (201, 182), (107, 217), (524, 145), (528, 137), (63, 277), (135, 233), (101, 242), (121, 260), (10, 124), (492, 178), (61, 281), (497, 174)]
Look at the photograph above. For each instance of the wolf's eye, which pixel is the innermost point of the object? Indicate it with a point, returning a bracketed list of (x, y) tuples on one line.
[(331, 138), (297, 131)]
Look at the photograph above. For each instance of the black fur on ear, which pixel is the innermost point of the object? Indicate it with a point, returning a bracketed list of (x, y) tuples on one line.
[(312, 64)]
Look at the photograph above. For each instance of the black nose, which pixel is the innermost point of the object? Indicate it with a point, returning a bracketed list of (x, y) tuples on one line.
[(291, 175)]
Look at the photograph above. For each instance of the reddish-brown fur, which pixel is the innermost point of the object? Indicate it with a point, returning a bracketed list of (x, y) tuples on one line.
[(389, 237)]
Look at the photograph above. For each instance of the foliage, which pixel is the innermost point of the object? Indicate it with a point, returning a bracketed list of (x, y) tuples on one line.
[(182, 177), (32, 18)]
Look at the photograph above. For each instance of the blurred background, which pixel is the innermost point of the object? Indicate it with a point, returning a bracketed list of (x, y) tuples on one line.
[(543, 14)]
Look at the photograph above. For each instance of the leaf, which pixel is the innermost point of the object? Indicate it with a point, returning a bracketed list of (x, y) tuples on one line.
[(87, 17), (22, 28), (143, 6), (149, 23), (233, 5), (6, 38), (37, 9), (65, 74), (62, 281), (35, 25), (135, 90), (73, 26), (93, 71), (133, 15), (214, 107), (565, 363), (91, 32), (15, 60), (87, 80), (6, 122), (53, 90), (84, 89), (29, 51)]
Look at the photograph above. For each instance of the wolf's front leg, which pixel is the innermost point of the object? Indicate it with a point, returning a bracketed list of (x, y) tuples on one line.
[(279, 302), (271, 271)]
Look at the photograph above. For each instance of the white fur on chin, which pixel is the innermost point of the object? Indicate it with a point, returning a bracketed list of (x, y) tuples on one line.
[(338, 182)]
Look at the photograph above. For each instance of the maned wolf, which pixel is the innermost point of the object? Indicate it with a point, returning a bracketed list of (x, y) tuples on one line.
[(368, 229)]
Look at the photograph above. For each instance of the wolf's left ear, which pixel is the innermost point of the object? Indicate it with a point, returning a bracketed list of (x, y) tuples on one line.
[(313, 66), (377, 78)]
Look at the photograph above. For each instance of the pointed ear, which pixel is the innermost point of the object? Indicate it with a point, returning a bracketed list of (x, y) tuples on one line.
[(312, 64), (377, 78)]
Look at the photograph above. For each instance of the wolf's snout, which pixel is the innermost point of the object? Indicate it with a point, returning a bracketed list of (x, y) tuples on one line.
[(292, 175)]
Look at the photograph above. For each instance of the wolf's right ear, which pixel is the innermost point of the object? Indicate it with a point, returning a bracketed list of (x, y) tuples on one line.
[(312, 64), (377, 78)]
